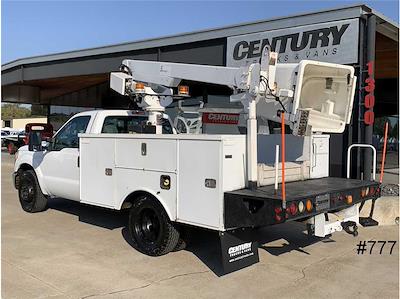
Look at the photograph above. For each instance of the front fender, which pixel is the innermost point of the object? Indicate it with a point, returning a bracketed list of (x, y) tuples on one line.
[(33, 160)]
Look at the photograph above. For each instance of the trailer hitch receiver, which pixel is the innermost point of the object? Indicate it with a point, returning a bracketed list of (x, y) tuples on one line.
[(350, 227)]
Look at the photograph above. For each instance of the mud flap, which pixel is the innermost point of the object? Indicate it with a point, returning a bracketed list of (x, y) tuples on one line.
[(238, 250)]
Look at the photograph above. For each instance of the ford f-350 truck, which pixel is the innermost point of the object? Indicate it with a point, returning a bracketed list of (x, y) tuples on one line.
[(121, 159)]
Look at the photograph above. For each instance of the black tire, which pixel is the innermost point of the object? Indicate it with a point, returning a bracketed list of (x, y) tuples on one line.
[(151, 230), (183, 239), (30, 195), (181, 245)]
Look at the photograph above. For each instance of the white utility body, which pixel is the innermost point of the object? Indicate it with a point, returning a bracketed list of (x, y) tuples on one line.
[(127, 159), (192, 162)]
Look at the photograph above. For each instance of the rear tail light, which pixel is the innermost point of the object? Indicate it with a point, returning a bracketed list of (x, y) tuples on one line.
[(292, 209), (301, 207), (278, 214), (309, 205), (365, 191), (372, 190)]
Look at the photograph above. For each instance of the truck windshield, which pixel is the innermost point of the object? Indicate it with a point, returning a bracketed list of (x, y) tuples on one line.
[(130, 124)]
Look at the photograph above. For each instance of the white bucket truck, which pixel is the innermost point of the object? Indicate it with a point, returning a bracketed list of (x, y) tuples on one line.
[(121, 159)]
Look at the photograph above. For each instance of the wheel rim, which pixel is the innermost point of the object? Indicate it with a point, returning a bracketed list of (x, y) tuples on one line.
[(27, 192), (147, 226)]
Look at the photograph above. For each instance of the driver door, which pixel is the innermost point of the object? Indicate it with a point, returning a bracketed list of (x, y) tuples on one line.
[(60, 165)]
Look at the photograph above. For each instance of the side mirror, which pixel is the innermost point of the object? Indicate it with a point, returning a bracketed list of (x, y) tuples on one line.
[(35, 141), (50, 144), (45, 145)]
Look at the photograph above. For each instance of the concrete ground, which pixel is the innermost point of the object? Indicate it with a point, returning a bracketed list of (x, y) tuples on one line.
[(76, 251)]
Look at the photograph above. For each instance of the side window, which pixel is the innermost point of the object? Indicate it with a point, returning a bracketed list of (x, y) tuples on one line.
[(123, 124), (166, 127), (130, 124), (67, 137)]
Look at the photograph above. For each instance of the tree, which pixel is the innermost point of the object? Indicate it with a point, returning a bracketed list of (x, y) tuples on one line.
[(395, 131), (38, 110), (11, 111), (379, 125)]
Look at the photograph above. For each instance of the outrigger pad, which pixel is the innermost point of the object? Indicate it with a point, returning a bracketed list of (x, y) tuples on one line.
[(368, 221), (238, 250)]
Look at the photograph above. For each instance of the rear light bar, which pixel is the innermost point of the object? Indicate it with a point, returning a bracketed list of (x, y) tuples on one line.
[(304, 207)]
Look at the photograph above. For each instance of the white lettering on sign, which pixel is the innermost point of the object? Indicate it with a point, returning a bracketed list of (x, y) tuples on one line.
[(239, 249)]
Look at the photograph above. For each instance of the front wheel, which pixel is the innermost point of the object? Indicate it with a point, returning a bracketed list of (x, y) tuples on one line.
[(30, 195), (150, 228)]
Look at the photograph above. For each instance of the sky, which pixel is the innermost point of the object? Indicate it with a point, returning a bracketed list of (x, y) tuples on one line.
[(30, 28)]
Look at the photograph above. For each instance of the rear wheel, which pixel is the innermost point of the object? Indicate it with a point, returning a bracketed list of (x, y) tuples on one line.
[(30, 195), (150, 228), (183, 239)]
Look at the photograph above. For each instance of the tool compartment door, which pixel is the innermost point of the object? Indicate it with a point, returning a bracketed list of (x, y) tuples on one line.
[(200, 182), (97, 179), (319, 156)]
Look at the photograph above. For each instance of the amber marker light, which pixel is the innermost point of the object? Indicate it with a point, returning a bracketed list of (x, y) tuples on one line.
[(183, 90), (349, 199), (309, 205), (139, 87)]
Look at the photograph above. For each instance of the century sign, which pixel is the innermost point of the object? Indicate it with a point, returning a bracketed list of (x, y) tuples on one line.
[(335, 42), (220, 118)]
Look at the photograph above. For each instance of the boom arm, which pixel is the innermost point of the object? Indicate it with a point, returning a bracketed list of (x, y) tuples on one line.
[(170, 74)]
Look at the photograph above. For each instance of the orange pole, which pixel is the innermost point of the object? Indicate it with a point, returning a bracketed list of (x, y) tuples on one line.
[(283, 158), (384, 152)]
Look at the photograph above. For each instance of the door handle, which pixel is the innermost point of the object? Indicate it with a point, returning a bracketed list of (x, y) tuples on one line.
[(314, 152), (78, 161)]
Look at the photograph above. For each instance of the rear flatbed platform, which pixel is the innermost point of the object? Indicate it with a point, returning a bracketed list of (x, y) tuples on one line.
[(307, 188), (260, 206)]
